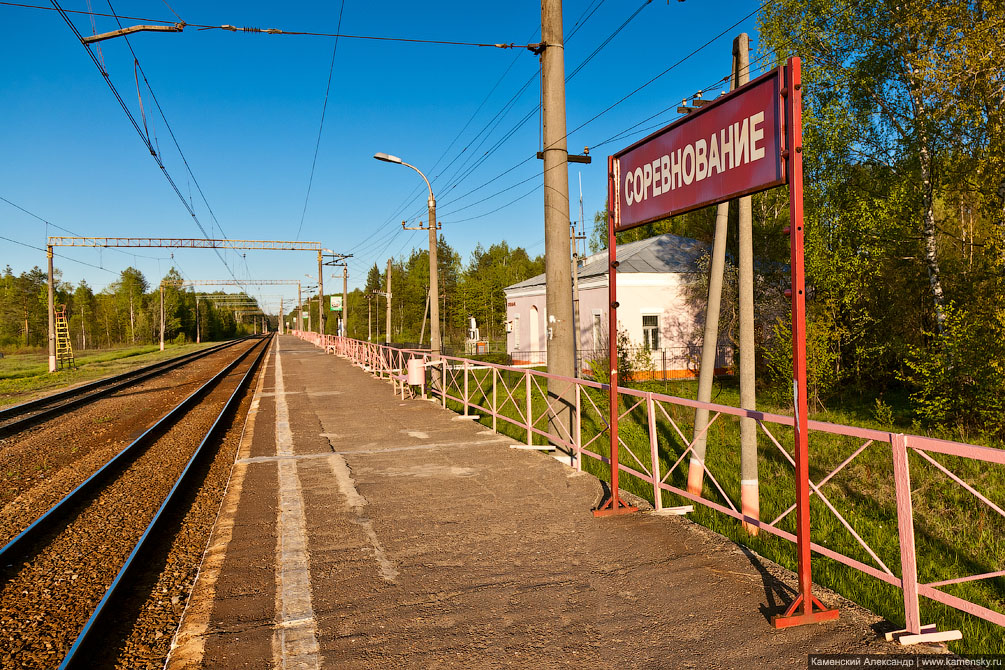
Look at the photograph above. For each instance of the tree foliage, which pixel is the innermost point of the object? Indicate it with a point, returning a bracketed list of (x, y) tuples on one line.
[(904, 191), (127, 311)]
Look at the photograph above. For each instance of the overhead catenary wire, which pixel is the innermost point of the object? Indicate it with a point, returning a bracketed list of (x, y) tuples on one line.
[(280, 31), (132, 119), (321, 126)]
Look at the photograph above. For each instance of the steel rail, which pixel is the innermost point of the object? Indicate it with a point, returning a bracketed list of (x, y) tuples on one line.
[(16, 549), (76, 655), (85, 393)]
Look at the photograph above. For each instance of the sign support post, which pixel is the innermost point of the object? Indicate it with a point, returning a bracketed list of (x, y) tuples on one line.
[(810, 609), (614, 504)]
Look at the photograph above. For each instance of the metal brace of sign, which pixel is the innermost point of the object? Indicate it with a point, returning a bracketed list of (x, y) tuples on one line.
[(746, 141)]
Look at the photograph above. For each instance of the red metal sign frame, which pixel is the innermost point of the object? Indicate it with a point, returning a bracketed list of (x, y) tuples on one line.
[(787, 82)]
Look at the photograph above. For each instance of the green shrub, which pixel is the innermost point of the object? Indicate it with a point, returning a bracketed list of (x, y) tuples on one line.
[(823, 373), (959, 379)]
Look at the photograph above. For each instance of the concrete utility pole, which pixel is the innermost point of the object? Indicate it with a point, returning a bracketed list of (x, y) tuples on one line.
[(387, 297), (52, 314), (749, 488), (162, 316), (560, 326), (345, 300), (321, 296), (369, 320), (710, 340), (280, 324), (198, 333), (300, 309)]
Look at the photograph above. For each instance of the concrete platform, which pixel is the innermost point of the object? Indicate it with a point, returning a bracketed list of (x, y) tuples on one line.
[(363, 531)]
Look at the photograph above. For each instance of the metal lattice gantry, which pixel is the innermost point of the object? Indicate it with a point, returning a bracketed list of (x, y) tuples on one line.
[(184, 243), (166, 243)]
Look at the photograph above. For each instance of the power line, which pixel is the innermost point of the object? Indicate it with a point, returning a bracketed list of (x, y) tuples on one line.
[(460, 174), (74, 233), (279, 31), (324, 108), (30, 246), (630, 94)]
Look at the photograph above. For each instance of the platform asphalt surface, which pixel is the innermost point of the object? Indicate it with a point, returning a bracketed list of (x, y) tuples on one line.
[(365, 531)]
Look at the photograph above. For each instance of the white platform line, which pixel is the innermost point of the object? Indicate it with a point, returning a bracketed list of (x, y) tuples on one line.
[(294, 642)]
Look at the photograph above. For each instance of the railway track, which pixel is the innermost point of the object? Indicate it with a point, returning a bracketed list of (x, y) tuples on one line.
[(19, 417), (61, 577)]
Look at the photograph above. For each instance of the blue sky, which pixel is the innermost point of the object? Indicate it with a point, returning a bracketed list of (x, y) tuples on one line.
[(246, 108)]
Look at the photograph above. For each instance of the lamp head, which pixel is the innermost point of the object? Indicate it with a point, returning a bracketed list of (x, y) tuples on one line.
[(387, 158)]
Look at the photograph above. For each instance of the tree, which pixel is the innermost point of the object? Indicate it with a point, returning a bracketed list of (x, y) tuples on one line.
[(83, 305)]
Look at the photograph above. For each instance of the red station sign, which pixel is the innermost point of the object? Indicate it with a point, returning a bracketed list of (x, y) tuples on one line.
[(730, 147)]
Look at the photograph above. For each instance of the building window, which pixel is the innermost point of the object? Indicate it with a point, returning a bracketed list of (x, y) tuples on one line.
[(598, 330), (516, 331), (651, 331)]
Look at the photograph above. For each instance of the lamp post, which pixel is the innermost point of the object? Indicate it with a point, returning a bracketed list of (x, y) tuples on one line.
[(434, 301)]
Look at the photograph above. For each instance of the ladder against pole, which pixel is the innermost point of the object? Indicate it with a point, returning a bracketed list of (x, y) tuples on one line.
[(64, 349)]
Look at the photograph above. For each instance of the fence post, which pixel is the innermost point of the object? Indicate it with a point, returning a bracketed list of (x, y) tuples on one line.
[(530, 419), (905, 528), (654, 451), (443, 381), (466, 368), (495, 405), (577, 434)]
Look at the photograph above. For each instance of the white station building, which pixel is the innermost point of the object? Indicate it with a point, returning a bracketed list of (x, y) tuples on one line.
[(653, 309)]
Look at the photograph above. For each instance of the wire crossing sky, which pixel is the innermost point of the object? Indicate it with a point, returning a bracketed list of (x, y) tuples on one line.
[(245, 107)]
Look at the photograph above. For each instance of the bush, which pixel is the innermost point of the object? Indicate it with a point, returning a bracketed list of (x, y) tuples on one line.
[(959, 378), (601, 367), (822, 357)]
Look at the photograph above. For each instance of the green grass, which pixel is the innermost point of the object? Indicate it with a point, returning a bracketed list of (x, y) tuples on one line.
[(956, 534), (25, 375)]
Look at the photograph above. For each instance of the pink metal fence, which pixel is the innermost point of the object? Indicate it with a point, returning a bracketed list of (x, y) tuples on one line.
[(496, 387)]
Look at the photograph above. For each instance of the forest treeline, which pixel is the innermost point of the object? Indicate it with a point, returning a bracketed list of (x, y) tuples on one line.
[(467, 290), (127, 311)]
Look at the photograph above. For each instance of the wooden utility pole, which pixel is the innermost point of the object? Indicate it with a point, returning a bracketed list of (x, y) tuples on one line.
[(558, 276), (749, 488), (387, 296)]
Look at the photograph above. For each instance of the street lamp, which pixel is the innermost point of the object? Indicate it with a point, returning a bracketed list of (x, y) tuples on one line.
[(434, 302)]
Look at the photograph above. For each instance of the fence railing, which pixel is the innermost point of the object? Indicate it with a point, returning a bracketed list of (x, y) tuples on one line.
[(658, 442)]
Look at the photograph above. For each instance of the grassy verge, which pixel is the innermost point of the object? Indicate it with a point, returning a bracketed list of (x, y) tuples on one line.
[(25, 376), (956, 534)]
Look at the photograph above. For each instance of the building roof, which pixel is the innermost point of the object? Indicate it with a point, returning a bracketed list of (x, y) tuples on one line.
[(661, 254)]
